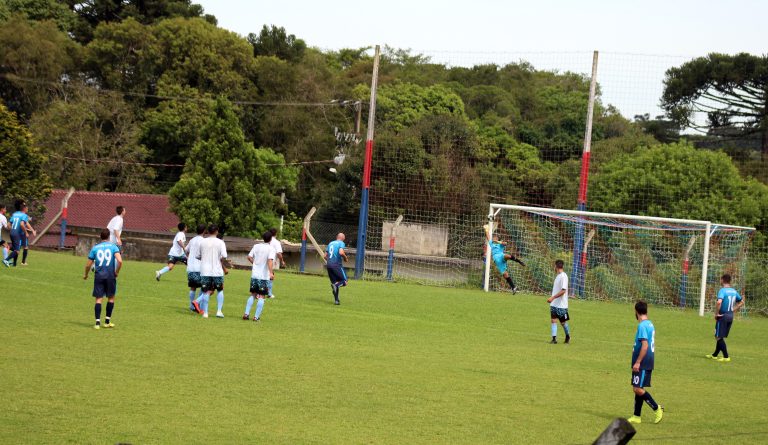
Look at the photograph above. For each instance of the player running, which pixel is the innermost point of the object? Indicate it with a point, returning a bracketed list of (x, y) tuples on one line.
[(558, 304), (20, 228), (334, 254), (500, 258), (213, 254), (177, 253), (642, 364), (262, 256), (193, 264), (728, 301), (106, 260)]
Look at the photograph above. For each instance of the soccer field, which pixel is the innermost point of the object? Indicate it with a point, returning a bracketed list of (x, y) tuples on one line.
[(394, 363)]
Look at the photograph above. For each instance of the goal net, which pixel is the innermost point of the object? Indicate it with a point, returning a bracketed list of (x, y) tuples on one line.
[(672, 262)]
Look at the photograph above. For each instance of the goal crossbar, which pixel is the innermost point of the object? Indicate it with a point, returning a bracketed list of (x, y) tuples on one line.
[(707, 227)]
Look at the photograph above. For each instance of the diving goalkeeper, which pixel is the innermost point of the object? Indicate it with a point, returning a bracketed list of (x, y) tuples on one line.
[(500, 258)]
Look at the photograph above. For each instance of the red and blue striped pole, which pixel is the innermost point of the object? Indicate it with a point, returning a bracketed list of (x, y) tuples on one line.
[(362, 226), (303, 259), (579, 257)]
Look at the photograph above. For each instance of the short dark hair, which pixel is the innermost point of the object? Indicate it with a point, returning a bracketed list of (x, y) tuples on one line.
[(213, 228), (201, 229), (2, 206), (19, 204), (559, 264), (267, 236), (726, 278), (104, 234), (274, 231), (641, 307), (119, 210), (181, 226)]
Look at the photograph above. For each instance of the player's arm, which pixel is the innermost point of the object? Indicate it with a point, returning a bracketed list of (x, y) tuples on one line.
[(118, 263), (224, 265), (343, 254), (88, 266), (280, 259), (181, 244), (739, 304), (117, 237), (641, 355), (250, 258), (28, 227), (271, 268), (717, 308)]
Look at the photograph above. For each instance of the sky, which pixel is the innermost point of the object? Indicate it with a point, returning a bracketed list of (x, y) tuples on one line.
[(637, 40)]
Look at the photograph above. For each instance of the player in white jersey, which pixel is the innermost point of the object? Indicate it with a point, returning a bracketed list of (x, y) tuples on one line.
[(177, 254), (262, 256), (213, 255), (558, 303), (3, 225), (115, 227), (193, 264), (278, 248)]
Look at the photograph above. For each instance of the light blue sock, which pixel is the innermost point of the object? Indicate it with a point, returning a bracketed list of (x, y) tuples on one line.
[(206, 298), (567, 329), (5, 252), (164, 270), (259, 308), (554, 329), (191, 297), (220, 300), (249, 305), (201, 298), (269, 286)]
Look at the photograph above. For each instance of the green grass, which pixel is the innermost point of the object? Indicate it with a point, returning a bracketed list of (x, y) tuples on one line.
[(394, 364)]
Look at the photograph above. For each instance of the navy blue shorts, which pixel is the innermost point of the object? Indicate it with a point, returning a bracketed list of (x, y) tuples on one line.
[(260, 287), (559, 313), (210, 284), (337, 275), (723, 327), (194, 280), (641, 379), (16, 241), (177, 259), (104, 287)]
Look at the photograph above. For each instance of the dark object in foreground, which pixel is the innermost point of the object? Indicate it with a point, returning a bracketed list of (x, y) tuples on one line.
[(619, 432)]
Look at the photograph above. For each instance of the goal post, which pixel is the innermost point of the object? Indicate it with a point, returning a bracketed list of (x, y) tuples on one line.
[(626, 257)]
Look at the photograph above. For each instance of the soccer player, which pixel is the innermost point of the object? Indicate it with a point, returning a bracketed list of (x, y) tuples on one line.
[(3, 225), (334, 254), (213, 254), (642, 364), (275, 243), (262, 256), (558, 304), (115, 227), (106, 260), (500, 258), (193, 264), (20, 227), (177, 253), (728, 301)]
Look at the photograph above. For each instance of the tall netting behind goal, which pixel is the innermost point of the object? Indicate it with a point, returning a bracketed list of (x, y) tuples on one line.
[(624, 257)]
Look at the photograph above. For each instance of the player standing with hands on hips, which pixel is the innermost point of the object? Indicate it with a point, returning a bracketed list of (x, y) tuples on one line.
[(728, 300), (642, 364), (106, 260)]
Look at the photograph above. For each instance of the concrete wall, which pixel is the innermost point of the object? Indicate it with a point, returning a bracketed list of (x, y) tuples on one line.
[(417, 239)]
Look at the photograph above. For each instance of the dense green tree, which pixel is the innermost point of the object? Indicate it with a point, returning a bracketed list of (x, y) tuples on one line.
[(677, 180), (228, 181), (92, 142), (275, 41), (731, 90), (41, 10), (22, 163), (34, 57), (664, 130)]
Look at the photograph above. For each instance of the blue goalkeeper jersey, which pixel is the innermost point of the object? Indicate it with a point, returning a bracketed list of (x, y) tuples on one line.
[(103, 257), (16, 220), (645, 331), (496, 249), (729, 297)]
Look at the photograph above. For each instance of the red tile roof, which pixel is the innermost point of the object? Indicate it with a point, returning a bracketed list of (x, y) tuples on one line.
[(144, 213)]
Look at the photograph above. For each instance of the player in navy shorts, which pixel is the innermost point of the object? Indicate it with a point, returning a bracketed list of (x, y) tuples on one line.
[(106, 262), (335, 255)]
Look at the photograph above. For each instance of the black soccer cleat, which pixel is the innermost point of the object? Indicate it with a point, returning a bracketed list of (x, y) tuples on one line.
[(553, 341), (245, 317), (567, 339)]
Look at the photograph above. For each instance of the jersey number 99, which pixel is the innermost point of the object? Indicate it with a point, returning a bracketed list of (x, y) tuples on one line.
[(104, 257)]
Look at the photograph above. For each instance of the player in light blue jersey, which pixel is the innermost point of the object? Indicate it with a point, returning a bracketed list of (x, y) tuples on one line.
[(20, 228), (334, 255), (500, 258), (106, 262), (643, 356), (728, 301)]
